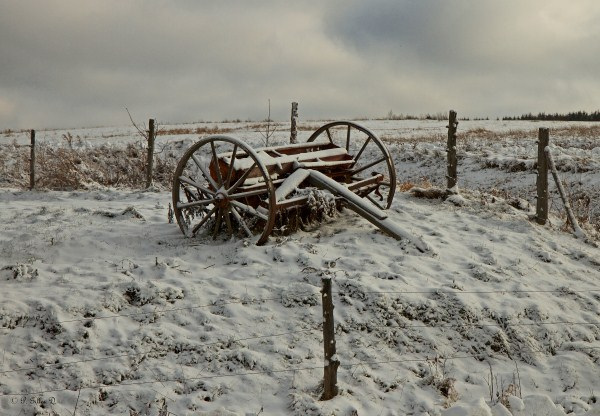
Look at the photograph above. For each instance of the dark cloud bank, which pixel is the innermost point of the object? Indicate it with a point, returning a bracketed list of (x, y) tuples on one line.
[(80, 63)]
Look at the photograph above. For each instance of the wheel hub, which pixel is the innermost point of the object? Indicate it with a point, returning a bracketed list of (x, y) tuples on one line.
[(221, 199)]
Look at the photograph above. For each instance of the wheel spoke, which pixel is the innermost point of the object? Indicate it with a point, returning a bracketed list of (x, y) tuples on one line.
[(249, 209), (205, 173), (240, 221), (216, 162), (348, 139), (222, 186), (248, 193), (190, 193), (369, 165), (196, 185), (241, 179), (356, 139), (203, 220), (182, 205), (230, 170), (373, 200), (228, 222), (218, 223), (362, 149)]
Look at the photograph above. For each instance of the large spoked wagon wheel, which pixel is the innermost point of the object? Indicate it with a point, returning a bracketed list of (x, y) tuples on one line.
[(369, 154), (221, 187)]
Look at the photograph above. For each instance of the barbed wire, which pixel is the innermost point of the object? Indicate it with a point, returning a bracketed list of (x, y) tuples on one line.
[(161, 311), (166, 380), (466, 324), (434, 291), (281, 296), (436, 357), (151, 351), (235, 340), (457, 357)]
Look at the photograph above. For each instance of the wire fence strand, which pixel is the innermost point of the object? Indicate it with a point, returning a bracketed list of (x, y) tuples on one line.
[(436, 357), (162, 311), (472, 324), (432, 291), (152, 351), (478, 356)]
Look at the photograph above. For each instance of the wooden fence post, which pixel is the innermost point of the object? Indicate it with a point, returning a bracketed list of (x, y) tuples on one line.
[(541, 212), (150, 161), (563, 195), (451, 149), (293, 127), (330, 388), (32, 162)]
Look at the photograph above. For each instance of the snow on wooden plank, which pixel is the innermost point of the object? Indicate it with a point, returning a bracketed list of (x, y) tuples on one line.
[(290, 184), (268, 160), (325, 163), (366, 209)]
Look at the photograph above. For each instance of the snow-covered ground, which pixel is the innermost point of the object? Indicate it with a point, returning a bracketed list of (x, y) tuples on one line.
[(107, 309)]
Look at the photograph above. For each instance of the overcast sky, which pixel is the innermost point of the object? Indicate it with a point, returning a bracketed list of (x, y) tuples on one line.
[(79, 63)]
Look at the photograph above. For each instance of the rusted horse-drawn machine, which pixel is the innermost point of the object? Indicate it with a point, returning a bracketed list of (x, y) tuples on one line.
[(223, 186)]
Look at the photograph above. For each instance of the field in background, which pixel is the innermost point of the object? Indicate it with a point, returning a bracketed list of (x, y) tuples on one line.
[(495, 157)]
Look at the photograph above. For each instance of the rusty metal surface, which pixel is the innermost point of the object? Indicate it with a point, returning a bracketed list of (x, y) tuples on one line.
[(223, 186)]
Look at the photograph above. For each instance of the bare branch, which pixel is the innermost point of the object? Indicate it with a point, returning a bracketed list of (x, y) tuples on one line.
[(142, 133), (162, 149), (268, 132)]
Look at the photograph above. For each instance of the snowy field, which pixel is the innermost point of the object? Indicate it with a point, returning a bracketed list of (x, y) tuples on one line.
[(107, 309)]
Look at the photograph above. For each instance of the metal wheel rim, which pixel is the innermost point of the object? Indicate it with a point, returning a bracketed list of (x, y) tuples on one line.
[(224, 212), (371, 136)]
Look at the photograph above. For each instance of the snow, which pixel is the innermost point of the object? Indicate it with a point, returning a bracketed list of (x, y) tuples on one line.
[(107, 308), (269, 160), (290, 184), (479, 408), (578, 232)]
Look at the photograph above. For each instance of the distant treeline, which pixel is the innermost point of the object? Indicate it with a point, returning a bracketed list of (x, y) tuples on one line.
[(572, 116), (436, 116)]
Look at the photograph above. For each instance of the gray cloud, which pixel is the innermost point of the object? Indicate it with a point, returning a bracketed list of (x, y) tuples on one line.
[(78, 63), (507, 56)]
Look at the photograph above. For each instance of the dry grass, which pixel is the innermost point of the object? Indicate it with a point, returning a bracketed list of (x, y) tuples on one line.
[(429, 193), (194, 130), (478, 133), (586, 212), (556, 133), (395, 139), (68, 169), (423, 189), (408, 185), (308, 127), (577, 131), (257, 127), (14, 165), (10, 132)]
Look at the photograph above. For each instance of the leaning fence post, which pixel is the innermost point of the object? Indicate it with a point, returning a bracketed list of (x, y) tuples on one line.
[(451, 149), (150, 160), (330, 389), (541, 212), (32, 162), (563, 195), (293, 127)]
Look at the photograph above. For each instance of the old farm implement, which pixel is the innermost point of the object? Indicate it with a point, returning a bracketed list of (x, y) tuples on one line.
[(223, 186)]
